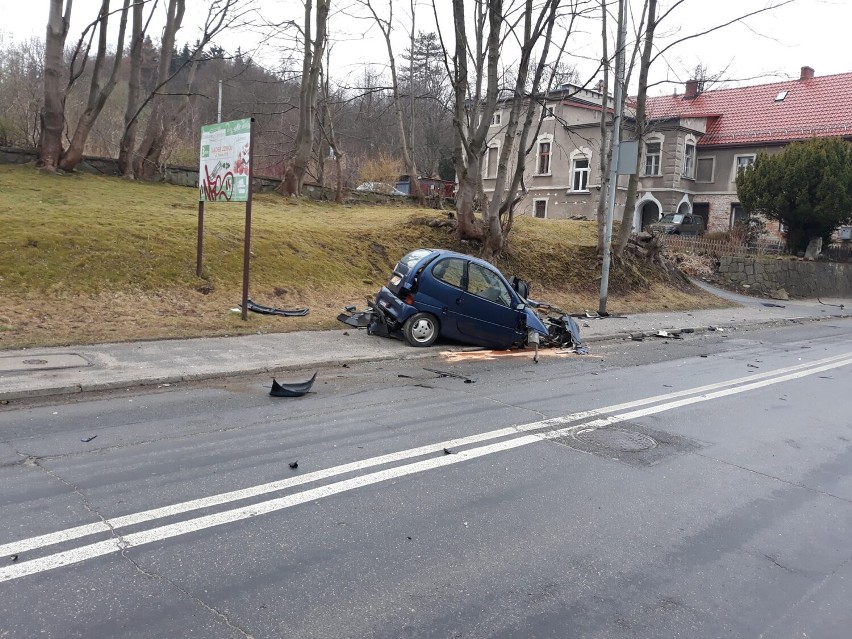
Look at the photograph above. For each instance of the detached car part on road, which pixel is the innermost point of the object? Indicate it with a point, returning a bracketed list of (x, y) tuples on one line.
[(434, 292)]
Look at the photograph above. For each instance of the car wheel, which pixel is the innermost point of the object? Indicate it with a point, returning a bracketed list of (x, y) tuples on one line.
[(421, 329)]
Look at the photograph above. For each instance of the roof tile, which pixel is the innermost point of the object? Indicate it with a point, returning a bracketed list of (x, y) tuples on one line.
[(818, 107)]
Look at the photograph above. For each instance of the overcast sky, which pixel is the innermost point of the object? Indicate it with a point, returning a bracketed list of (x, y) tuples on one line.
[(768, 47)]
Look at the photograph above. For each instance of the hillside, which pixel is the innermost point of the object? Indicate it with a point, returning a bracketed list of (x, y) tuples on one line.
[(87, 259)]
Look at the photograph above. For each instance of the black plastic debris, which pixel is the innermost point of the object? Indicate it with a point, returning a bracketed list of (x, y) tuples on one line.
[(293, 464), (840, 306), (86, 440), (467, 380), (448, 451), (268, 310), (296, 389), (371, 319), (773, 305)]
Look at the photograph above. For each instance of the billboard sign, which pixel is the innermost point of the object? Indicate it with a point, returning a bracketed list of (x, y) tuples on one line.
[(223, 175)]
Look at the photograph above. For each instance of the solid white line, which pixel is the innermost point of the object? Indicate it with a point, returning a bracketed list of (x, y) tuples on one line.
[(160, 533), (99, 549), (114, 523)]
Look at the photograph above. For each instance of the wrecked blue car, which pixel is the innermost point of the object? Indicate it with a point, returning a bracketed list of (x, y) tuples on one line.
[(434, 292)]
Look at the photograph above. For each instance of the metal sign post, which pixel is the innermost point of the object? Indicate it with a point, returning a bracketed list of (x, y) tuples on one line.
[(247, 249), (225, 175), (616, 141)]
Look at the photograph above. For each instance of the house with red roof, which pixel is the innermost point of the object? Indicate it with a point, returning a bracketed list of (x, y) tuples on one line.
[(695, 144), (698, 141)]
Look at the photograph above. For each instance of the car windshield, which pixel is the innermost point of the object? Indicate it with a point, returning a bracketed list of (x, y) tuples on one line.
[(672, 218), (415, 256)]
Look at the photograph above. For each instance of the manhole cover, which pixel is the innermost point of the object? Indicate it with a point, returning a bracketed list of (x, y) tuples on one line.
[(616, 439), (35, 362)]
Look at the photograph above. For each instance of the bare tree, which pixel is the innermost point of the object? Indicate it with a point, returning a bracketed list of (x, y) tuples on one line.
[(314, 46), (386, 26), (138, 28), (98, 92), (650, 53), (530, 27), (221, 14), (21, 92), (53, 111), (526, 100), (474, 104)]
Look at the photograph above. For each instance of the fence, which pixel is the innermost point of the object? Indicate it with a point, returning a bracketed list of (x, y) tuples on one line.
[(701, 246)]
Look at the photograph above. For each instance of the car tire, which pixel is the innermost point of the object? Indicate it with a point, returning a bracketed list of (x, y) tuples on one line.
[(421, 330)]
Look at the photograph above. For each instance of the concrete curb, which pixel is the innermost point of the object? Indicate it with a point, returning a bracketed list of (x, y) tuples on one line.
[(143, 381)]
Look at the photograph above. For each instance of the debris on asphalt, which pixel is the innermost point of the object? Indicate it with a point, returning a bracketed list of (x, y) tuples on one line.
[(14, 557), (773, 305), (86, 440), (671, 334), (840, 306), (447, 451), (467, 380), (268, 310), (753, 366), (637, 337), (295, 389), (293, 464)]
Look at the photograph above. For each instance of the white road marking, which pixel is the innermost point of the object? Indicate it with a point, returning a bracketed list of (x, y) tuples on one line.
[(255, 491), (118, 544)]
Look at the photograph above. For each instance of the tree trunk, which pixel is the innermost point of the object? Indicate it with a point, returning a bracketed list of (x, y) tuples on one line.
[(297, 168), (53, 111), (134, 84), (151, 146), (506, 185), (97, 95), (472, 117), (641, 100)]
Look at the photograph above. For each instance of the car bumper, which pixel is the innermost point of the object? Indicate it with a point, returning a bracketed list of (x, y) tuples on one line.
[(393, 308)]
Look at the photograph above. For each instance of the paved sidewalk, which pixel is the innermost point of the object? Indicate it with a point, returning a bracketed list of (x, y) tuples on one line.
[(57, 371)]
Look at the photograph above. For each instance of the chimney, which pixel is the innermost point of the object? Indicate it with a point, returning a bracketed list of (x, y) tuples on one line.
[(692, 89), (807, 73)]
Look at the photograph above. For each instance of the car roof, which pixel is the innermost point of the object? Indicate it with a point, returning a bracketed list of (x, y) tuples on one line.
[(464, 256)]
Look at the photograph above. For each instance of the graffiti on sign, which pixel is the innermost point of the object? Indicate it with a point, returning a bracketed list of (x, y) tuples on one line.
[(224, 170)]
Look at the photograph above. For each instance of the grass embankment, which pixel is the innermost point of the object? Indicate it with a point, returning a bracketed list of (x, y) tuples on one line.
[(87, 259)]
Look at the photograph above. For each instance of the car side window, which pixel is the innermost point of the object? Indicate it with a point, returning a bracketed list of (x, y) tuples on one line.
[(450, 271), (485, 283)]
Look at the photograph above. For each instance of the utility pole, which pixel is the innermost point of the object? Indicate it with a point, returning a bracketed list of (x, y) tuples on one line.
[(612, 187), (219, 109)]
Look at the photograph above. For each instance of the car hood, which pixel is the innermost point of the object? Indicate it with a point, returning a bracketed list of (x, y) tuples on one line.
[(534, 322)]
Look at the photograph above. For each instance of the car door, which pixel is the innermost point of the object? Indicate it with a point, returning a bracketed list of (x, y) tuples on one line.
[(485, 312), (440, 287), (689, 227)]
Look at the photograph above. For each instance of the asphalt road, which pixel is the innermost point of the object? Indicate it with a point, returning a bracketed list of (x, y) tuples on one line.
[(669, 488)]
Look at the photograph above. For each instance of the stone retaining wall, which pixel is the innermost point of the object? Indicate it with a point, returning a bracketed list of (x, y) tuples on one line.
[(188, 176), (797, 277)]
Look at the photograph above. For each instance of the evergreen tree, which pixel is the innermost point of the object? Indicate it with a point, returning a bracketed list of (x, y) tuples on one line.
[(807, 187)]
